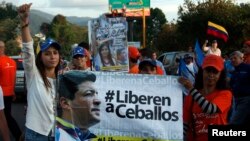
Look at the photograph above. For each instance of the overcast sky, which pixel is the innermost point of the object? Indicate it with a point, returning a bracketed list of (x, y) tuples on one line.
[(94, 8)]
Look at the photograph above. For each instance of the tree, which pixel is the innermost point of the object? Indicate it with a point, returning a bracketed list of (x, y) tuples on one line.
[(12, 48), (8, 29), (193, 18), (8, 21), (65, 33), (154, 25), (167, 39)]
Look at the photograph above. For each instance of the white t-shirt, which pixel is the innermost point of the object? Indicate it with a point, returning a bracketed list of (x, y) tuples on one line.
[(1, 99), (210, 51)]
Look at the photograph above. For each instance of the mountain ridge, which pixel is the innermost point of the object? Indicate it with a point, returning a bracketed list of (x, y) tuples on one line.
[(38, 17)]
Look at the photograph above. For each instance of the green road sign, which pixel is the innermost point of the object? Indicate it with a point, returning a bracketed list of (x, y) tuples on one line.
[(130, 4)]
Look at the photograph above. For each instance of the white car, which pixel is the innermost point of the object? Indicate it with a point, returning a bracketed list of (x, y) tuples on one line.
[(170, 60), (20, 86)]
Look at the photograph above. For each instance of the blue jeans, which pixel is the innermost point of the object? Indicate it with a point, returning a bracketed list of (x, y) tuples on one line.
[(241, 112), (31, 135)]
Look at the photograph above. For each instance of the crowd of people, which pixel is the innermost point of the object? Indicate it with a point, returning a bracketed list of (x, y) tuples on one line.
[(211, 97)]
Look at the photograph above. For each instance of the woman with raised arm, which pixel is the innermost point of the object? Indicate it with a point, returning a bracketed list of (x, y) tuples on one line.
[(208, 102), (41, 73)]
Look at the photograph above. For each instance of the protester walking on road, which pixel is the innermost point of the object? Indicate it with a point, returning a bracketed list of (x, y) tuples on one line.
[(7, 82), (209, 100), (41, 73)]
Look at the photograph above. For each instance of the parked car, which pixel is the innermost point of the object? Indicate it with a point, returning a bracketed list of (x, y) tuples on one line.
[(170, 61), (20, 87)]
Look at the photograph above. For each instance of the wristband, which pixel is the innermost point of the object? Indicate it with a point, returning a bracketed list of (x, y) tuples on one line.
[(26, 25)]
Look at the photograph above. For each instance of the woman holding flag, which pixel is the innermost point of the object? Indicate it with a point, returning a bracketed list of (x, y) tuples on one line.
[(209, 100)]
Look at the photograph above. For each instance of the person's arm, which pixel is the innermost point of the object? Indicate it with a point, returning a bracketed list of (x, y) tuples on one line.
[(204, 47), (23, 12), (206, 106), (4, 127)]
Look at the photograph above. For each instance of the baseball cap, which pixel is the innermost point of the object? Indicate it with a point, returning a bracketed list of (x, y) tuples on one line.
[(78, 51), (213, 61), (48, 43), (187, 56), (69, 81), (133, 52), (146, 62)]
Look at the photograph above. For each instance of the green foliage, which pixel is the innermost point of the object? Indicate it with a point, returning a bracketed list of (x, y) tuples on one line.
[(8, 22), (154, 25), (8, 29), (193, 18), (7, 10), (66, 34), (12, 48), (167, 39)]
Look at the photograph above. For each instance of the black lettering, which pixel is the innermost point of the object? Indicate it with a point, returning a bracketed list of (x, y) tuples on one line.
[(130, 112), (149, 114), (155, 113), (110, 108), (142, 99), (159, 112), (175, 116), (149, 99), (131, 96), (126, 96), (166, 115), (118, 109), (164, 101), (157, 100), (139, 113), (118, 97)]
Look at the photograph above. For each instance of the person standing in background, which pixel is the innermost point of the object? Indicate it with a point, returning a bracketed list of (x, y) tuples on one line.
[(240, 85), (213, 49), (79, 59), (158, 63), (3, 123), (7, 82), (134, 55)]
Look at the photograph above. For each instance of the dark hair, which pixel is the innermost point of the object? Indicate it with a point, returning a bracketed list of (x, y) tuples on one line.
[(146, 52), (84, 45), (221, 84), (109, 55), (41, 68)]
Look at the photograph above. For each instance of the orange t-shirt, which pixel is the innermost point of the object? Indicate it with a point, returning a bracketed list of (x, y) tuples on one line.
[(159, 71), (7, 75), (134, 69), (199, 121)]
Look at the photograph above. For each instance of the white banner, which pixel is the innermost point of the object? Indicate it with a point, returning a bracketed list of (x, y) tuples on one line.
[(138, 107)]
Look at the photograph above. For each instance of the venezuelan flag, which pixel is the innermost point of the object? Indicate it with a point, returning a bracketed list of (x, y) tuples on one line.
[(217, 31)]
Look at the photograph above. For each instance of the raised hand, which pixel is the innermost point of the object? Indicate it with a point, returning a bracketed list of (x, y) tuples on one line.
[(185, 82), (23, 12)]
